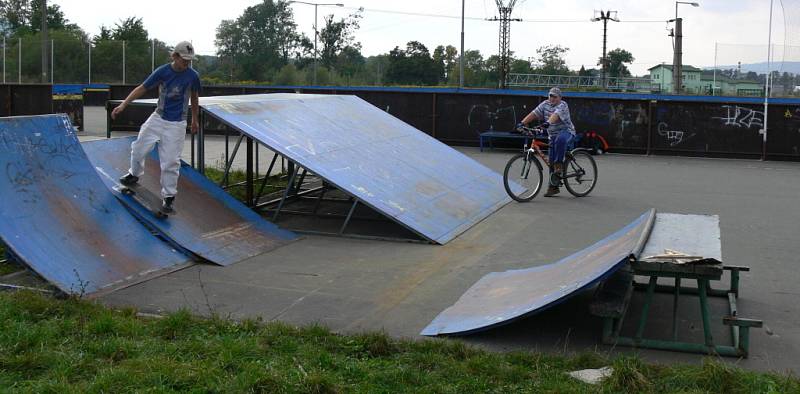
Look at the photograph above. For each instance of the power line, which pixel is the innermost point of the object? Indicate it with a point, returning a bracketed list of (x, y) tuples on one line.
[(429, 15)]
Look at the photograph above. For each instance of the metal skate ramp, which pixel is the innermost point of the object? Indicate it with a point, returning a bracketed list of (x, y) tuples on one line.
[(208, 222), (60, 220), (502, 297), (382, 162)]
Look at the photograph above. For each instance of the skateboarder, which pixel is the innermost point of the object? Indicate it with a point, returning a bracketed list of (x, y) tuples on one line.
[(178, 84)]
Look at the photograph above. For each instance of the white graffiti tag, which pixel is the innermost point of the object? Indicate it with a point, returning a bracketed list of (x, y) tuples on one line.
[(742, 117), (674, 137)]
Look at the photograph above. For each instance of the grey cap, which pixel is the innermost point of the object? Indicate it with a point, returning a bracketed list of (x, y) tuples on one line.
[(555, 91), (185, 50)]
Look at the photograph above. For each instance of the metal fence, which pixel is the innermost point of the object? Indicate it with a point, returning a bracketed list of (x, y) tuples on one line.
[(74, 61), (581, 82)]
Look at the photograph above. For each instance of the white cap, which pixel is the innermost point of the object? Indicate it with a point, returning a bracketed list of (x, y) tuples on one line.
[(185, 50)]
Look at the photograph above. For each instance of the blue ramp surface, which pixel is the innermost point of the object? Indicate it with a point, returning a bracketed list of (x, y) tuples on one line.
[(501, 297), (61, 220), (209, 222), (408, 176)]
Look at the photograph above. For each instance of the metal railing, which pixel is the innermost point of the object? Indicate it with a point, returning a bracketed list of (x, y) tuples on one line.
[(581, 82)]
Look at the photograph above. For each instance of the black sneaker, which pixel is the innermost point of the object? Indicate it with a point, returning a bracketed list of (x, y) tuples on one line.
[(129, 179), (166, 205)]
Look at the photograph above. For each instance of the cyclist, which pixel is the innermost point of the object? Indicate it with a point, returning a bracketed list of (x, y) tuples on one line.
[(554, 113)]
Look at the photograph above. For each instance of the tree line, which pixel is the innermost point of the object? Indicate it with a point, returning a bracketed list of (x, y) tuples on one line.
[(264, 45)]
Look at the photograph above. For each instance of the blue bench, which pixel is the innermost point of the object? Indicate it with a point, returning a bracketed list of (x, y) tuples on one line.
[(490, 135)]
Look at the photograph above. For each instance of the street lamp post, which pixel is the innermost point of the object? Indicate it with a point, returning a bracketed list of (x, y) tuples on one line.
[(461, 57), (316, 33), (677, 66)]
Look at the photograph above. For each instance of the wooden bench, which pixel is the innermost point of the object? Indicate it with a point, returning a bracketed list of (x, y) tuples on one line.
[(614, 294), (488, 136)]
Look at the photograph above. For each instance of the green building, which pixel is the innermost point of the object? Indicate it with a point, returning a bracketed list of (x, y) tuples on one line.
[(727, 86), (697, 81), (661, 78)]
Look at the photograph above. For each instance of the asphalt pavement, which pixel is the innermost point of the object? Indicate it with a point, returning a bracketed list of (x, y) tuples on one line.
[(353, 285)]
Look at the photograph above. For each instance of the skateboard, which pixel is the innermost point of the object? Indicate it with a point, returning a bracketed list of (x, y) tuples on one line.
[(145, 198)]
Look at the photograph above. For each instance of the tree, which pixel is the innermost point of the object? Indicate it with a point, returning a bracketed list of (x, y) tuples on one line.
[(24, 17), (446, 59), (261, 41), (412, 66), (550, 60), (349, 62), (521, 66), (288, 76), (127, 39), (475, 70), (338, 35), (14, 14), (616, 62), (375, 68)]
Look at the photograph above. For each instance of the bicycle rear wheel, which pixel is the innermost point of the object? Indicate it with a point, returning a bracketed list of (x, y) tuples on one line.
[(522, 177), (580, 175)]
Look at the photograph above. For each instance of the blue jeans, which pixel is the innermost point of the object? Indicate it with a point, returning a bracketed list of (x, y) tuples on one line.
[(558, 149), (558, 146)]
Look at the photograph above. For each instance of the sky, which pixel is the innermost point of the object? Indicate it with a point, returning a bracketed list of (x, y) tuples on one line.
[(719, 32)]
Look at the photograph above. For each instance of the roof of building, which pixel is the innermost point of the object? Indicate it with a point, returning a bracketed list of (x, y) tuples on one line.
[(708, 75), (685, 67)]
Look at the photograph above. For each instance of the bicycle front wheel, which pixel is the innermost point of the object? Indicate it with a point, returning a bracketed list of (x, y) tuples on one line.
[(580, 175), (522, 177)]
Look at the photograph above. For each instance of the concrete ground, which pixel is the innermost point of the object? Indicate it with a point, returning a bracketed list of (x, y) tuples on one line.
[(353, 285)]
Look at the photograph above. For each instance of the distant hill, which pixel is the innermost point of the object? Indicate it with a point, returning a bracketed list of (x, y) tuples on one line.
[(761, 68)]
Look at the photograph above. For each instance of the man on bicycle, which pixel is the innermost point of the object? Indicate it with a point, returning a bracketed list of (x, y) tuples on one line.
[(554, 113)]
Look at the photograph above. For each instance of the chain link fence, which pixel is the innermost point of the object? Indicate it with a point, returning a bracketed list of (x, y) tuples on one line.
[(80, 62)]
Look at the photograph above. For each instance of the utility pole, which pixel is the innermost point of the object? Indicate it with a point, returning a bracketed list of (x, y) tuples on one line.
[(505, 37), (605, 16), (44, 42), (677, 58)]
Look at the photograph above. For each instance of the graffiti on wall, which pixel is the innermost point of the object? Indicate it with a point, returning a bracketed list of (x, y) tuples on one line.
[(741, 117), (481, 118), (674, 137)]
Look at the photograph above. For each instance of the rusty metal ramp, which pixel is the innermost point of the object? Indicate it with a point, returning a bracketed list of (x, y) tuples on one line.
[(378, 160), (208, 222), (59, 218), (501, 297)]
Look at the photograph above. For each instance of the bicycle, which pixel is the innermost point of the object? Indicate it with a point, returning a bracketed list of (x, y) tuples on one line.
[(524, 170)]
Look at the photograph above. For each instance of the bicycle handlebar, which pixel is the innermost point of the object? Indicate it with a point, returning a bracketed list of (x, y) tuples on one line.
[(535, 132)]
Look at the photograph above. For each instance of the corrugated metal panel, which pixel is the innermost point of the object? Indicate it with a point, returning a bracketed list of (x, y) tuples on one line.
[(59, 218), (501, 297), (209, 222), (396, 169)]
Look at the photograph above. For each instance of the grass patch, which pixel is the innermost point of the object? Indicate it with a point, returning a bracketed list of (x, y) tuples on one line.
[(72, 345), (274, 184)]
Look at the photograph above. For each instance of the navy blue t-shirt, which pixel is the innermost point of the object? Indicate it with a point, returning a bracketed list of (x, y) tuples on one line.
[(174, 91)]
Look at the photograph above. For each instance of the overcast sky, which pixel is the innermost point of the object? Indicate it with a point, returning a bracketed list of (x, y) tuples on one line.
[(642, 31)]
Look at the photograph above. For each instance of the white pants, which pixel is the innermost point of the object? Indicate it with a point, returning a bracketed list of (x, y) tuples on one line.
[(170, 137)]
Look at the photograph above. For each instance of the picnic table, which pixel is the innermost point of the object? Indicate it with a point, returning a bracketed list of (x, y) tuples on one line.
[(681, 248)]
